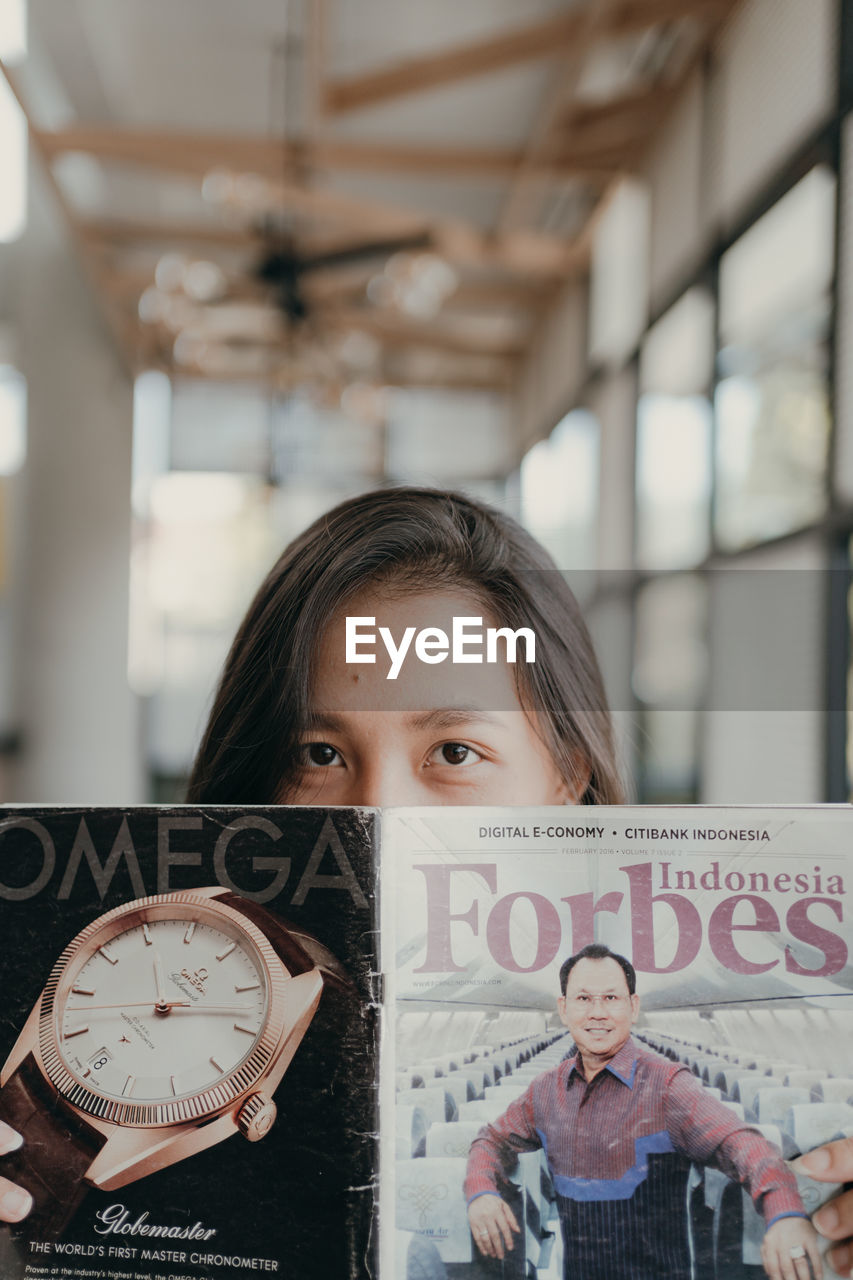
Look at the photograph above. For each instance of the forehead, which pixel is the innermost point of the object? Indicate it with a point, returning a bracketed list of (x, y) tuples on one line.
[(348, 687), (597, 977)]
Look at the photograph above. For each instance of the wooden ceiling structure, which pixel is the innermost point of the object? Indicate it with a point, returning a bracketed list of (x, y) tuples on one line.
[(491, 283)]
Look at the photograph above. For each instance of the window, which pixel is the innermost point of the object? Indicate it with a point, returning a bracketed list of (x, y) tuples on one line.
[(673, 447), (772, 400)]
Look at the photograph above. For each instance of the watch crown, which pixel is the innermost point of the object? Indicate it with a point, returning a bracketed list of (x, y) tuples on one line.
[(255, 1117)]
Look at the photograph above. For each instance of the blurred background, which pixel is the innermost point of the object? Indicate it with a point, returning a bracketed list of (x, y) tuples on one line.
[(591, 260)]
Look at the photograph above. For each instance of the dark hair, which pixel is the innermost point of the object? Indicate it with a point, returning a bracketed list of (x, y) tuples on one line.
[(403, 539), (598, 951)]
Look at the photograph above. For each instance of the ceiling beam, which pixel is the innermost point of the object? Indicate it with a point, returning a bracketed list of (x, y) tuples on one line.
[(394, 329), (509, 49), (192, 155), (525, 252), (412, 75), (526, 191), (118, 232)]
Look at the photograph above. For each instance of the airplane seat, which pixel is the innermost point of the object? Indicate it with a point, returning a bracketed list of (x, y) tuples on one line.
[(452, 1138), (743, 1058), (700, 1225), (478, 1079), (800, 1078), (814, 1123), (431, 1204), (435, 1101), (777, 1068), (710, 1065), (416, 1258), (531, 1172), (461, 1087), (505, 1092), (484, 1111), (747, 1087), (736, 1107), (727, 1080), (409, 1080), (839, 1089), (738, 1232), (771, 1105), (410, 1129)]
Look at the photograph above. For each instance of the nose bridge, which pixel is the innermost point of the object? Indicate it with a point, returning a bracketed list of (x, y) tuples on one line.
[(384, 779)]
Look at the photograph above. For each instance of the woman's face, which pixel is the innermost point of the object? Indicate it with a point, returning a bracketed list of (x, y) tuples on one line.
[(438, 734)]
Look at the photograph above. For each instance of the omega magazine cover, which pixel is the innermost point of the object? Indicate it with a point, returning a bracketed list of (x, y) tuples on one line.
[(188, 1042), (610, 1033)]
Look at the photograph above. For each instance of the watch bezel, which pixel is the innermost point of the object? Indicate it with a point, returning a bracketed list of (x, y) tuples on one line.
[(193, 1107)]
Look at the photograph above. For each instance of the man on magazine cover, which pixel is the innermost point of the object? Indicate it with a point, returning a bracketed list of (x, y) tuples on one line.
[(620, 1126)]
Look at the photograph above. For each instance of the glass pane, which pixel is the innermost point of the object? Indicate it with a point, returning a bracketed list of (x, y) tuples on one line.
[(13, 420), (619, 281), (669, 679), (559, 490), (673, 447), (772, 400), (673, 480)]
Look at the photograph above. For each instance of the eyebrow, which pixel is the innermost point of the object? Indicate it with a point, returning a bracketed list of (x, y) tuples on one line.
[(435, 718)]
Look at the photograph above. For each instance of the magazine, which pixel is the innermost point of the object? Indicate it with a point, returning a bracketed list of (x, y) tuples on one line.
[(738, 1041), (176, 981)]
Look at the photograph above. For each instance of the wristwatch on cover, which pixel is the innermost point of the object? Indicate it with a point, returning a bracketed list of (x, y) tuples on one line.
[(164, 1027)]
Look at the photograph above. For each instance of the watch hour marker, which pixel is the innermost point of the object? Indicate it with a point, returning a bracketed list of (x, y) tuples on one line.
[(190, 931), (215, 1064), (172, 1080), (75, 1031), (227, 951), (102, 951), (146, 933), (82, 991), (129, 1085), (250, 1031), (252, 986)]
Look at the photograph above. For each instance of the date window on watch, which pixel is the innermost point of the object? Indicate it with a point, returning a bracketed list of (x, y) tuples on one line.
[(99, 1059)]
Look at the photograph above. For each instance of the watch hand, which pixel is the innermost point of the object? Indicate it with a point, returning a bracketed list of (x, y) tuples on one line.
[(125, 1004), (158, 979), (217, 1008), (168, 1004)]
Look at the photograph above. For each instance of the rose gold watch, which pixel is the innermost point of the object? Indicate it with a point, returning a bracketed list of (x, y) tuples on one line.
[(164, 1027)]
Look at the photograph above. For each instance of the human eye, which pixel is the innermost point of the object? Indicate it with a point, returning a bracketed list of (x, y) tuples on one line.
[(454, 753), (321, 755)]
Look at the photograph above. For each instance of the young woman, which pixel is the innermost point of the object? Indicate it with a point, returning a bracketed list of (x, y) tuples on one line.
[(294, 722)]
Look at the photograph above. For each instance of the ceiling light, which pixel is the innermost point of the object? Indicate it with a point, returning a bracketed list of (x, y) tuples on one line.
[(170, 271), (204, 281), (217, 187), (152, 305)]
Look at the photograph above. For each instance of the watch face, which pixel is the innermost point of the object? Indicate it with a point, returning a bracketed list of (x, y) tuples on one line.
[(159, 1010)]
